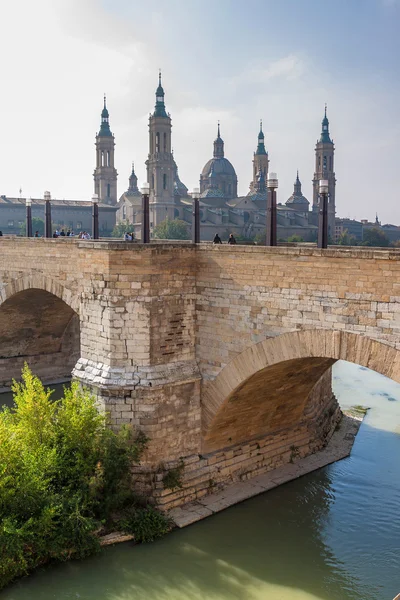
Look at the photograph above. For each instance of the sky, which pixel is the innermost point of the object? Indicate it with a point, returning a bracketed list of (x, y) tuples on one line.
[(229, 60)]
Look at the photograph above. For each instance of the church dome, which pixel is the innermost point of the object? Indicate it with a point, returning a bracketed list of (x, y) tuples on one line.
[(220, 166), (218, 172)]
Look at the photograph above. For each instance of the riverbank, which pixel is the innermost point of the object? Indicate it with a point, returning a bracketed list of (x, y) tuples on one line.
[(338, 447)]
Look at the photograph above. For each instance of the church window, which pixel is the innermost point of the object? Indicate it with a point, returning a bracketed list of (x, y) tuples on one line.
[(157, 142), (164, 181), (223, 186), (108, 158), (102, 158), (230, 189), (330, 163), (246, 216), (124, 212), (325, 167), (165, 142), (108, 190), (152, 181)]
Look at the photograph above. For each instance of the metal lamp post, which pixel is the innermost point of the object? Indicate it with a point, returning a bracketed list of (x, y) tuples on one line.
[(323, 214), (145, 191), (29, 217), (47, 215), (95, 216), (196, 216), (272, 185)]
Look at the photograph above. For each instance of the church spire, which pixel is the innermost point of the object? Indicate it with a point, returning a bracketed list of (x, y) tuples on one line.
[(133, 187), (325, 138), (219, 145), (261, 145), (105, 121), (159, 110), (297, 186)]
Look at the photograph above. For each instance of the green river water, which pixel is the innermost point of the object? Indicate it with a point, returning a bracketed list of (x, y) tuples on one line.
[(331, 535)]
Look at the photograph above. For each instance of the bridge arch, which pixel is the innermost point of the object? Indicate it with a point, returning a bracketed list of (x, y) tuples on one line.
[(39, 324), (266, 387), (40, 282)]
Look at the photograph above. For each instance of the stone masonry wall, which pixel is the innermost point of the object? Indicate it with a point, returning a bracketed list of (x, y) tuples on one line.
[(206, 473), (248, 293)]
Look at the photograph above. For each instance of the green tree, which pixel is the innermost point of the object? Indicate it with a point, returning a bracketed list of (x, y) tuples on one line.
[(121, 228), (63, 476), (37, 225), (345, 239), (295, 238), (171, 230), (375, 237)]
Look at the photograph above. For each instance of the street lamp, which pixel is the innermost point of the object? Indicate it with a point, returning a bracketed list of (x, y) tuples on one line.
[(145, 191), (196, 216), (95, 216), (272, 185), (29, 217), (47, 215), (323, 214)]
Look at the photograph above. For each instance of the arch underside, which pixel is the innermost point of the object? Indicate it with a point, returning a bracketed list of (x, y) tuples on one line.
[(274, 385), (39, 328)]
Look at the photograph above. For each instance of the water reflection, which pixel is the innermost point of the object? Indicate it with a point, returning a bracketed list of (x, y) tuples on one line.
[(331, 535)]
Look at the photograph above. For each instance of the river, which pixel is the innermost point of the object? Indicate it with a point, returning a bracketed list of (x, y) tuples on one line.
[(331, 535)]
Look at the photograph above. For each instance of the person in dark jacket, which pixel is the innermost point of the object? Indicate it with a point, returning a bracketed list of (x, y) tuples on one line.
[(231, 239), (217, 239)]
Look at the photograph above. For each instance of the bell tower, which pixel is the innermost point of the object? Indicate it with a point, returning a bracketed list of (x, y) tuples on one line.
[(105, 174), (325, 169), (160, 162), (260, 162)]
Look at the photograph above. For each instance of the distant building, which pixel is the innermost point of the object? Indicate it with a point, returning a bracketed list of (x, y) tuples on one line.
[(221, 209), (74, 214), (354, 228), (71, 214)]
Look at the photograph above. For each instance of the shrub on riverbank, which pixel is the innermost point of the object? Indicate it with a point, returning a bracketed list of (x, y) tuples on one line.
[(63, 476)]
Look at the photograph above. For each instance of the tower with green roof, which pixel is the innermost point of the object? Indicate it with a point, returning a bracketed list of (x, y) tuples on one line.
[(105, 174), (260, 162), (160, 162), (325, 169)]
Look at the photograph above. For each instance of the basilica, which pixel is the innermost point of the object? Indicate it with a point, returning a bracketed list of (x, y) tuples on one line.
[(221, 209)]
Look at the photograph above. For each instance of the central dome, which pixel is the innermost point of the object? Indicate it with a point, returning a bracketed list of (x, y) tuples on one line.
[(220, 166), (218, 173)]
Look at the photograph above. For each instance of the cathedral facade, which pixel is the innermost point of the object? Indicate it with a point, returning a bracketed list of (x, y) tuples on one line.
[(222, 211)]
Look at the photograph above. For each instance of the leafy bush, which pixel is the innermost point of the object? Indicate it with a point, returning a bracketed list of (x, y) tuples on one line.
[(173, 478), (147, 524), (171, 230), (63, 476)]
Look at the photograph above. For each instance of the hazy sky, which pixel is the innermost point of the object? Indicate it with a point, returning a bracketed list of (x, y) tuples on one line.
[(233, 60)]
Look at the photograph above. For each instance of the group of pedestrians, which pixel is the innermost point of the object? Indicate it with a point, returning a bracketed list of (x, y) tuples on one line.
[(83, 235), (129, 236), (217, 239)]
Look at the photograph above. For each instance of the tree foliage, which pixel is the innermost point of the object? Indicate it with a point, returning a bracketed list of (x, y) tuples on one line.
[(171, 230), (295, 238), (121, 228), (375, 237), (345, 239), (63, 475), (37, 225)]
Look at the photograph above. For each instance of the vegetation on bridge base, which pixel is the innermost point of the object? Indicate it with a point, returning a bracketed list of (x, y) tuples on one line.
[(64, 476)]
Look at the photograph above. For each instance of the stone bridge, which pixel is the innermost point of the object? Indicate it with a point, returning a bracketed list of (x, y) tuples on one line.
[(221, 355)]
